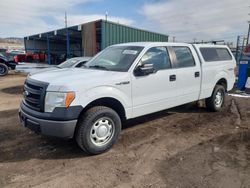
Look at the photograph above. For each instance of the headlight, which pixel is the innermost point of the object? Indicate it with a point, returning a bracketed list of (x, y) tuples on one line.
[(58, 99)]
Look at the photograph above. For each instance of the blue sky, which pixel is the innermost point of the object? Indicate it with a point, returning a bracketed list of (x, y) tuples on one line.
[(185, 20)]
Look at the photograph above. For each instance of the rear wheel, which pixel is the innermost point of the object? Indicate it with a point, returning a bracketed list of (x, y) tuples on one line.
[(216, 101), (98, 130), (3, 69)]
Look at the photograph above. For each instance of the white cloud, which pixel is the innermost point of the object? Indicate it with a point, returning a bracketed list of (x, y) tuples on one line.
[(200, 19), (19, 18), (78, 19)]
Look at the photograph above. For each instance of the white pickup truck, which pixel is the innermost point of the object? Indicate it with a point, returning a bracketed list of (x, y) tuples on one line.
[(124, 81)]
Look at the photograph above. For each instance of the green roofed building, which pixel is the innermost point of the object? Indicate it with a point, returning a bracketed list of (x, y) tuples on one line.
[(86, 39)]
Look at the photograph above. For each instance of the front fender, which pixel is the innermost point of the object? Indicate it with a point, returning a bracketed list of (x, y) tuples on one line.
[(122, 94)]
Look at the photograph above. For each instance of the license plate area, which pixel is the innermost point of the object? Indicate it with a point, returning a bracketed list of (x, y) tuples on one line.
[(32, 126), (28, 123)]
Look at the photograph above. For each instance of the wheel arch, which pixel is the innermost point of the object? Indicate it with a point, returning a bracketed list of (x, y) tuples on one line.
[(223, 82), (110, 102)]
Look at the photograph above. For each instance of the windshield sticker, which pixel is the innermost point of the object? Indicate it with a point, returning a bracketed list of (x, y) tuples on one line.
[(130, 52)]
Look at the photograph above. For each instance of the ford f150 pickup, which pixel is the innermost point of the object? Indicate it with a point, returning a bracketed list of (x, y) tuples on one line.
[(124, 81)]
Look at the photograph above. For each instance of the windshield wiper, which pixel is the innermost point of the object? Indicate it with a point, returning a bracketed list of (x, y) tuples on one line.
[(98, 67)]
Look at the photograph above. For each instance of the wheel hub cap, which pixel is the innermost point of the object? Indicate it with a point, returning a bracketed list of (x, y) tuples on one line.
[(218, 98), (102, 131)]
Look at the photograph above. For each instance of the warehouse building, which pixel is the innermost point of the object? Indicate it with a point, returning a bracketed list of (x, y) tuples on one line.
[(85, 39)]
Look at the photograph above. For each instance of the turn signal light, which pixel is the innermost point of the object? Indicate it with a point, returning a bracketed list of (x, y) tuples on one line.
[(70, 96)]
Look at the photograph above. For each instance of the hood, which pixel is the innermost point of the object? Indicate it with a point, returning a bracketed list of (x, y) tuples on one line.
[(75, 79), (42, 70)]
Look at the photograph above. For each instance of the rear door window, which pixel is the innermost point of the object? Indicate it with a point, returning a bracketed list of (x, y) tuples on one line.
[(184, 57), (215, 54)]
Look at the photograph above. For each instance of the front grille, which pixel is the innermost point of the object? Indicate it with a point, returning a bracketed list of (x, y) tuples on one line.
[(34, 94)]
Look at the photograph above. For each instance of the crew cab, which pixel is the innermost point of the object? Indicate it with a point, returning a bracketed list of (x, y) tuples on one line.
[(122, 82)]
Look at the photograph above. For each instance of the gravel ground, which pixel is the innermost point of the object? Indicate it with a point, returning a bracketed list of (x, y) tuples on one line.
[(181, 147)]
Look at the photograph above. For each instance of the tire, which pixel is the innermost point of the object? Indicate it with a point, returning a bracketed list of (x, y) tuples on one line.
[(3, 69), (98, 129), (216, 102)]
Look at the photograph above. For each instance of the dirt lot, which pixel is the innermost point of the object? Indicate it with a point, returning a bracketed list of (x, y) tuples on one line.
[(182, 147)]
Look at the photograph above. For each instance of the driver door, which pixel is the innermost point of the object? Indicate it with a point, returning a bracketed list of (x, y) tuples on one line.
[(156, 91)]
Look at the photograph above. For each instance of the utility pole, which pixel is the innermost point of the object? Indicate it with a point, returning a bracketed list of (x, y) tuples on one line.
[(106, 16), (248, 32), (67, 36), (65, 20)]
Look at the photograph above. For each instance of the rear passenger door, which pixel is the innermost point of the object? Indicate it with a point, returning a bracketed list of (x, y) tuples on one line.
[(188, 74)]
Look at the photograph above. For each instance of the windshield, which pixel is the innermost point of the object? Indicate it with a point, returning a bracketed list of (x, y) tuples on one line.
[(115, 58), (68, 64)]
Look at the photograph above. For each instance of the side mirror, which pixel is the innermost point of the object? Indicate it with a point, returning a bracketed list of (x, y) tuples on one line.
[(145, 69)]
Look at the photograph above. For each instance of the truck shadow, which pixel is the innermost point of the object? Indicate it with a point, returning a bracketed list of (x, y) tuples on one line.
[(15, 90), (186, 108), (19, 144)]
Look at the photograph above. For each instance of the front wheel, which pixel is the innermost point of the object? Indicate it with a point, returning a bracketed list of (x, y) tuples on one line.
[(216, 101), (98, 129), (3, 69)]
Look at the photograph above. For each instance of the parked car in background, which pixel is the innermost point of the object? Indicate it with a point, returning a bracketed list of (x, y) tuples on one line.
[(19, 58), (3, 50), (12, 55), (5, 65), (75, 62), (15, 51), (124, 81)]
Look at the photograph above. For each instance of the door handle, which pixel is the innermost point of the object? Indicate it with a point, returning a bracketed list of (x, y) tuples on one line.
[(172, 78), (197, 74)]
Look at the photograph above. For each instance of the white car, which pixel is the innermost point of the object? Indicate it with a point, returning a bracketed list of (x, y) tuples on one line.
[(75, 62), (124, 81)]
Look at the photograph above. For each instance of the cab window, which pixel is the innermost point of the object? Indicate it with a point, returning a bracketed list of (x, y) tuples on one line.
[(184, 57), (158, 57)]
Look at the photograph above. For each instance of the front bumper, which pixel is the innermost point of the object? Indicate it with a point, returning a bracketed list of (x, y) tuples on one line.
[(11, 64), (45, 126)]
